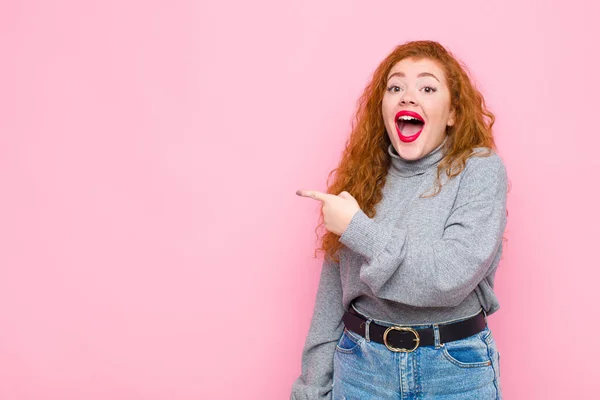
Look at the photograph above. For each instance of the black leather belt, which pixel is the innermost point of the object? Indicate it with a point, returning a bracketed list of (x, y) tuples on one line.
[(407, 339)]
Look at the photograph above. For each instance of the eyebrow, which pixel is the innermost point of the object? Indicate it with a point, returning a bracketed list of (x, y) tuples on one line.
[(401, 74)]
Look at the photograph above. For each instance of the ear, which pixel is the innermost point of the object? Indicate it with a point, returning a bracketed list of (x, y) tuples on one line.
[(451, 117)]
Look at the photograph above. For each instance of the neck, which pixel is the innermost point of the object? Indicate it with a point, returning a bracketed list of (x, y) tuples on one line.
[(403, 167)]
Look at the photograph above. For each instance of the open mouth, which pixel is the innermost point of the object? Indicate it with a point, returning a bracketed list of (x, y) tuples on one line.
[(409, 125)]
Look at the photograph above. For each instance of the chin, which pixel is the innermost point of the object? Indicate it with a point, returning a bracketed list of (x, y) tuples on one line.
[(413, 150)]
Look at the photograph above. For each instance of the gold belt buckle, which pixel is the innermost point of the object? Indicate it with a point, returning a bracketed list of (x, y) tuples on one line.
[(401, 328)]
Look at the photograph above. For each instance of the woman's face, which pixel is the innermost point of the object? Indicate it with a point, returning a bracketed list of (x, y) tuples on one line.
[(416, 107)]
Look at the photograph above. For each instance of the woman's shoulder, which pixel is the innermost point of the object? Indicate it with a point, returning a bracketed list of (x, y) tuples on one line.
[(484, 164), (485, 158)]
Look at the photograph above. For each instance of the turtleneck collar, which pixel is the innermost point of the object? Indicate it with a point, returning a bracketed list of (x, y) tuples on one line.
[(407, 168)]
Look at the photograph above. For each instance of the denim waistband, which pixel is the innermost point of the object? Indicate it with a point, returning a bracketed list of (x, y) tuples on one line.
[(418, 326)]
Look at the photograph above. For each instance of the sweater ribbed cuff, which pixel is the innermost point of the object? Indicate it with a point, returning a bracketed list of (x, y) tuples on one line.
[(364, 236)]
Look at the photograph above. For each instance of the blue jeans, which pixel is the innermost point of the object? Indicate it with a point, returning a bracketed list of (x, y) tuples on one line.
[(463, 369)]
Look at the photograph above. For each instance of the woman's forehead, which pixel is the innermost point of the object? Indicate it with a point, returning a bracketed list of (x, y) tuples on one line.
[(410, 67)]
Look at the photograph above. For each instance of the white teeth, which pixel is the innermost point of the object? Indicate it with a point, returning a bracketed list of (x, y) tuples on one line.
[(408, 118)]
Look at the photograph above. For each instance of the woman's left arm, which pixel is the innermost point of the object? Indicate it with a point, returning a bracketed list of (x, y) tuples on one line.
[(440, 272)]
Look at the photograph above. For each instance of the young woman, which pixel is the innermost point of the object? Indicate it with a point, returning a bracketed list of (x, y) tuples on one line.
[(415, 219)]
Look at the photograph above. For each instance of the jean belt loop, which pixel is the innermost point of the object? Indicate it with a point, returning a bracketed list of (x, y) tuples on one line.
[(436, 335), (367, 330)]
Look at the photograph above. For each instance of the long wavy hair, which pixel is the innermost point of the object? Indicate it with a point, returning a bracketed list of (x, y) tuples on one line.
[(365, 161)]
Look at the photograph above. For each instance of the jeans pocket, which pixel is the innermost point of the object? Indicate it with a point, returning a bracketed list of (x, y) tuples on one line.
[(470, 352), (349, 342)]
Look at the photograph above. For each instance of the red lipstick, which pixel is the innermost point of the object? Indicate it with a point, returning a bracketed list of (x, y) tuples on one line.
[(409, 126)]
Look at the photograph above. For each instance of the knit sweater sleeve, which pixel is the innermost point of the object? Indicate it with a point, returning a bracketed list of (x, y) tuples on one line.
[(437, 271), (316, 379)]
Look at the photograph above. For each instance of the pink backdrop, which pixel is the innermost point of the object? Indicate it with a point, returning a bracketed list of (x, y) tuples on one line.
[(151, 242)]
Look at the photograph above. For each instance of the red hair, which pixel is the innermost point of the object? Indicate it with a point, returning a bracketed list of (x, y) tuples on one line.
[(365, 161)]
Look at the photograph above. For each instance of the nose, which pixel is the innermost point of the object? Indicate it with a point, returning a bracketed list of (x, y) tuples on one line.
[(407, 98)]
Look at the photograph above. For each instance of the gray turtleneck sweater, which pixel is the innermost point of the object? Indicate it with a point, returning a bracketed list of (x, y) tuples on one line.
[(419, 260)]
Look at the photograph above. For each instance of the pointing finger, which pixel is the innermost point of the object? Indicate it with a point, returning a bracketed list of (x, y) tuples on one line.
[(313, 194)]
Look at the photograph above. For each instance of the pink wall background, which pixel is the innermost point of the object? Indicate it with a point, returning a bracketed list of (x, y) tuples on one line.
[(151, 242)]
